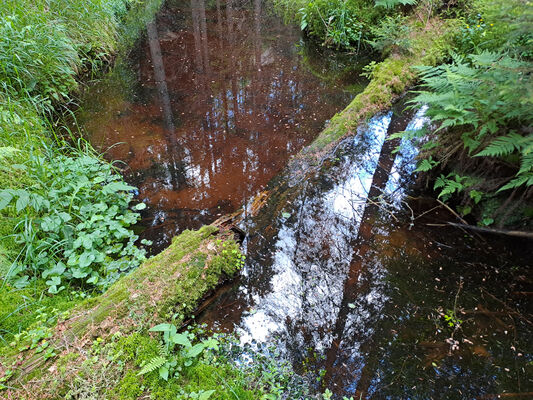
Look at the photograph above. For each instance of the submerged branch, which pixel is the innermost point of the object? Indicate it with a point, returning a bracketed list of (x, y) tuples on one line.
[(523, 234)]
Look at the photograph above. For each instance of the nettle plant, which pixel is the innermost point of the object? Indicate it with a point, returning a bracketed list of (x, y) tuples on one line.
[(72, 223)]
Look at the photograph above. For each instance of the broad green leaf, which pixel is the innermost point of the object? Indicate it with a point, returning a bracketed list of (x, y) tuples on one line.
[(5, 199), (140, 206), (195, 350), (86, 259), (58, 269), (163, 372), (182, 339), (161, 328), (23, 200), (205, 395)]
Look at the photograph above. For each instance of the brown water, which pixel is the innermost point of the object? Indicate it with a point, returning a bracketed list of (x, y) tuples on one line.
[(210, 106)]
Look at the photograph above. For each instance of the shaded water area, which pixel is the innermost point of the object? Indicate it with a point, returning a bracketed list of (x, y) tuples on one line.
[(209, 107), (347, 275)]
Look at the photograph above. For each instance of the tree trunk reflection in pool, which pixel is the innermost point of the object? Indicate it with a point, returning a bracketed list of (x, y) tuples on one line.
[(339, 279), (209, 107)]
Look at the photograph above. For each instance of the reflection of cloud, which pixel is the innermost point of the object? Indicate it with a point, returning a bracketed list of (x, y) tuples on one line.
[(311, 256)]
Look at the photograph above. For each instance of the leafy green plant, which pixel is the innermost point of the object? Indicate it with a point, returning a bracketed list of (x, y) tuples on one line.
[(452, 184), (506, 146), (480, 97), (170, 363), (451, 319), (72, 223), (391, 34), (342, 24), (393, 3), (36, 59)]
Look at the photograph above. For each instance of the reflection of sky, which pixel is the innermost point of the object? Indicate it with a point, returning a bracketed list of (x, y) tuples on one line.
[(403, 163), (314, 247)]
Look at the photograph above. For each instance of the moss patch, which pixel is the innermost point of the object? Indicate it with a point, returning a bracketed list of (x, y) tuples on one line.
[(389, 79), (169, 285)]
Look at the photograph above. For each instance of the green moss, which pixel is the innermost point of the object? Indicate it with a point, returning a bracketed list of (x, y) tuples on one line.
[(129, 388), (137, 349), (389, 79)]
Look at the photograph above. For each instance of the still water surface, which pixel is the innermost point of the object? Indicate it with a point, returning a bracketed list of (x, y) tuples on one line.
[(210, 106)]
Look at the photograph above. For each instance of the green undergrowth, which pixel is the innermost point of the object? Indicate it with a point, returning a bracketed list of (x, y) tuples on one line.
[(63, 228), (22, 308), (479, 155), (169, 365), (168, 287)]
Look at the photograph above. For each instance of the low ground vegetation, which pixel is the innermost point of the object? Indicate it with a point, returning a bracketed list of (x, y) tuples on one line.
[(65, 212)]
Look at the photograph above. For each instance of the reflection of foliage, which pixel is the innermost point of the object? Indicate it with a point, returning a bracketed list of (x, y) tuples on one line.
[(334, 68)]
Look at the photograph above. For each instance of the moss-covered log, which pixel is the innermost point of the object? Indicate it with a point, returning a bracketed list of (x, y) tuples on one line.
[(389, 80), (167, 287)]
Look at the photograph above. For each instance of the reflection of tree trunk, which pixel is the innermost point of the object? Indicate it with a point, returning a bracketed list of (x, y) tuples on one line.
[(362, 241), (203, 30), (231, 38), (176, 168), (224, 96), (197, 37), (257, 48)]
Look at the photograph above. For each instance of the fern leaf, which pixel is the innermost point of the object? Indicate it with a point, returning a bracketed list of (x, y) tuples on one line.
[(155, 363), (526, 163), (503, 145), (524, 179)]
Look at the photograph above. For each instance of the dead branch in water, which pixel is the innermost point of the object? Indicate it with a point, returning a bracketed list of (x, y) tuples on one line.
[(524, 234)]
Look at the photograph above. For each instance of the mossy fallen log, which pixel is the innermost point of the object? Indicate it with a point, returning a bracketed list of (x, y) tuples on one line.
[(389, 81), (166, 287)]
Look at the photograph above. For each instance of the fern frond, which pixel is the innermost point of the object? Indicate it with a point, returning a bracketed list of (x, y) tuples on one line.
[(526, 163), (524, 179), (503, 145), (155, 363), (163, 349)]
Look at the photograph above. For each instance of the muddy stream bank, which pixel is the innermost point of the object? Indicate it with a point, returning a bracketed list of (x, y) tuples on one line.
[(346, 275)]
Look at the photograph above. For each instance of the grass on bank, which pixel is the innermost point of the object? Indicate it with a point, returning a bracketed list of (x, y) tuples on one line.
[(64, 211)]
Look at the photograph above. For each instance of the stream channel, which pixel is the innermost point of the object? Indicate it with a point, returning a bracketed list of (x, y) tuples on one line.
[(347, 276)]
